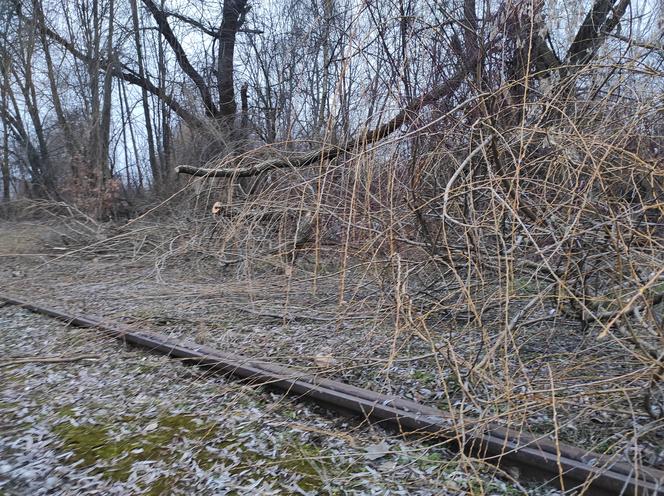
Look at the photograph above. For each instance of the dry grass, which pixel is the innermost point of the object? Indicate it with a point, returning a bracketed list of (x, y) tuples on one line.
[(522, 253)]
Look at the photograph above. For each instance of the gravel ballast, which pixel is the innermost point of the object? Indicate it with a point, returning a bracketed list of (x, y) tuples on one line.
[(131, 422)]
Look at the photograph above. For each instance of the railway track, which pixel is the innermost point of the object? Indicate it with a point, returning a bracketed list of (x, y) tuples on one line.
[(568, 467)]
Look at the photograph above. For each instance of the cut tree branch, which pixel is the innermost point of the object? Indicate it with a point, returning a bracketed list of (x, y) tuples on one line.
[(24, 360)]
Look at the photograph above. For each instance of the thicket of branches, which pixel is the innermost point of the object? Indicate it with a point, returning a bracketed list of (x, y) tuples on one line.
[(494, 161)]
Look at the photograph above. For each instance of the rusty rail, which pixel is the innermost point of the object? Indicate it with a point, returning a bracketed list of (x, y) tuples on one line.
[(574, 468)]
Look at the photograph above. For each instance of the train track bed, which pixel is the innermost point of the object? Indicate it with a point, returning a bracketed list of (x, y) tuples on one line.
[(286, 320), (114, 420)]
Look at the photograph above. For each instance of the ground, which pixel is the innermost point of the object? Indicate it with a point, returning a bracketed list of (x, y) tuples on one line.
[(131, 422)]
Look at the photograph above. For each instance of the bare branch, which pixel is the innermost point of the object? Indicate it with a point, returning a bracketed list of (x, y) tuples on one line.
[(593, 31), (208, 30), (165, 29)]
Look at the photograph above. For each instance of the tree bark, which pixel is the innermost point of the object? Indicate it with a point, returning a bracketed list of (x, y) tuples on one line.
[(244, 99), (105, 121), (5, 134), (232, 18), (594, 29)]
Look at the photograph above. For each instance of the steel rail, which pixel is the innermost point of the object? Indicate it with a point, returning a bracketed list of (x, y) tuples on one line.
[(538, 457)]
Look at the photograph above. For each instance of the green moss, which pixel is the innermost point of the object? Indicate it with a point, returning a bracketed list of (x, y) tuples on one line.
[(147, 367), (163, 485), (431, 458), (314, 466), (92, 444), (288, 413), (425, 377), (85, 441), (7, 405), (307, 461), (8, 377), (65, 412)]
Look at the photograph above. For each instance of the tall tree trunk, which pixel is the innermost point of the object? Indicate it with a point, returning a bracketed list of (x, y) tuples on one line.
[(41, 167), (5, 134), (244, 99), (71, 143), (154, 166), (94, 66), (320, 126), (232, 18), (105, 117), (164, 114)]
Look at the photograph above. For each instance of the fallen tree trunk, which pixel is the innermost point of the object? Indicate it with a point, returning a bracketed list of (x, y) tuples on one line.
[(329, 152)]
